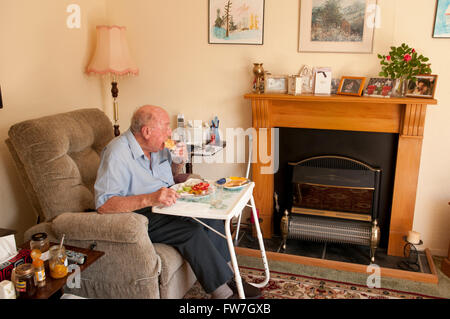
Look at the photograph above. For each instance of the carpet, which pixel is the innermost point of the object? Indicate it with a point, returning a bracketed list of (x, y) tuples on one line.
[(292, 286)]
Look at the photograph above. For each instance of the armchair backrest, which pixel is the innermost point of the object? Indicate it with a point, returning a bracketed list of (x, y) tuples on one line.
[(57, 158)]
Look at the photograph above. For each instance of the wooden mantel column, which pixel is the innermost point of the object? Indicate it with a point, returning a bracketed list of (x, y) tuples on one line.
[(264, 194), (406, 176), (403, 116)]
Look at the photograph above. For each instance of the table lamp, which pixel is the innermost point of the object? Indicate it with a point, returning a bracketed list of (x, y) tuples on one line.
[(112, 58)]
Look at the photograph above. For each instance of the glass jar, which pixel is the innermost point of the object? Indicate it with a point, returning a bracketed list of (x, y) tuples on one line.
[(40, 241), (24, 281), (58, 262)]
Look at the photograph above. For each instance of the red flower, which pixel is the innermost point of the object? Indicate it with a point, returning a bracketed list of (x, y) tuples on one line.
[(413, 51), (388, 58), (407, 58)]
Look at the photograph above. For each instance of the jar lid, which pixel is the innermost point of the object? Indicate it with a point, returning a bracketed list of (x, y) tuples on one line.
[(39, 237), (24, 269)]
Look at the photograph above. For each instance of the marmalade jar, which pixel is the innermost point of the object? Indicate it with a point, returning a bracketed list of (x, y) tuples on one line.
[(58, 262)]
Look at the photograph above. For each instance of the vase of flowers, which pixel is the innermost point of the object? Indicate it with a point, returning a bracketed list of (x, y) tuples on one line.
[(403, 64)]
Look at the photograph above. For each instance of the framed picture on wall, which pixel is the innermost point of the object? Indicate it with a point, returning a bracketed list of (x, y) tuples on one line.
[(442, 19), (337, 26), (236, 22)]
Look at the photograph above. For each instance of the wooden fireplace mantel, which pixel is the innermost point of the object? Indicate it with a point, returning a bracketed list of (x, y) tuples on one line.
[(404, 116)]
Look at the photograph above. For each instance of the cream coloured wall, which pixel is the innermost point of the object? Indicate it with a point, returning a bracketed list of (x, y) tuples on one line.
[(41, 73), (182, 72)]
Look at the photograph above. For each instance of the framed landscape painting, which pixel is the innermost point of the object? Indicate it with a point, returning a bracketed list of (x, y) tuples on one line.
[(236, 21), (337, 25), (442, 19)]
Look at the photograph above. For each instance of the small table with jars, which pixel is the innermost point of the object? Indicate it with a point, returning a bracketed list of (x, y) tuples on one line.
[(53, 287)]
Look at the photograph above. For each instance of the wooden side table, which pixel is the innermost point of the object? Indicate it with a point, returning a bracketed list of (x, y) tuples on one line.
[(54, 287)]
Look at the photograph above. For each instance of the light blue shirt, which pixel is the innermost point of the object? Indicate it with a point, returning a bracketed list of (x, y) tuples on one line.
[(125, 171)]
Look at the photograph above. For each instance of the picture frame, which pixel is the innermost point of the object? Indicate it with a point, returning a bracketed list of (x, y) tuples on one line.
[(354, 34), (351, 85), (335, 85), (379, 87), (276, 84), (295, 85), (245, 22), (441, 28), (423, 87)]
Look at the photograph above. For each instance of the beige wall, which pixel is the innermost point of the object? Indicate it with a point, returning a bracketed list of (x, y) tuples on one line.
[(182, 72), (41, 73)]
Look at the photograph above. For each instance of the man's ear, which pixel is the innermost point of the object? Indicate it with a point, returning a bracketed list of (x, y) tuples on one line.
[(145, 132)]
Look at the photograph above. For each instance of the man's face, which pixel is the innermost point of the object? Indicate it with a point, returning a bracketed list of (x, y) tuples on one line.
[(158, 131)]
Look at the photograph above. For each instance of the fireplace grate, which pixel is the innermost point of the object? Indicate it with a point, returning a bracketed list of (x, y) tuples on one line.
[(335, 200)]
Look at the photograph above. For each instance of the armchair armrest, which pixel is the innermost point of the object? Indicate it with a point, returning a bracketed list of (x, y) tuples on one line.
[(119, 228)]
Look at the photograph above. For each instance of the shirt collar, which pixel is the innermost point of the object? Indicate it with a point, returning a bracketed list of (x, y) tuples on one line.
[(135, 148)]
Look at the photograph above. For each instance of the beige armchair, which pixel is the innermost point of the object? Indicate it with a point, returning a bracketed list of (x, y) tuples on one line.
[(57, 159)]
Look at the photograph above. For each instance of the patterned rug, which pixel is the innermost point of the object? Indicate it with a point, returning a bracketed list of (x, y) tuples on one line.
[(291, 286)]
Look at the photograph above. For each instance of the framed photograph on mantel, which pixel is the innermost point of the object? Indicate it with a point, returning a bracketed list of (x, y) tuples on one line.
[(236, 22), (337, 25), (351, 85), (424, 86)]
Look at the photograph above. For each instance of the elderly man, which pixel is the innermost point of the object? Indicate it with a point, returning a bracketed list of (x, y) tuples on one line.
[(135, 174)]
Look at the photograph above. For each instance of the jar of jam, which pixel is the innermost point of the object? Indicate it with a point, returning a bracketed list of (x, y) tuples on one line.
[(40, 241), (58, 262), (24, 281)]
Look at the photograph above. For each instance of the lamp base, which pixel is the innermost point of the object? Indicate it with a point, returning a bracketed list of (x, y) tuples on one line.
[(116, 130)]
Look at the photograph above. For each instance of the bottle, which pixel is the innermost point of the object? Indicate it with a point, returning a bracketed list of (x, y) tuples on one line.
[(39, 269)]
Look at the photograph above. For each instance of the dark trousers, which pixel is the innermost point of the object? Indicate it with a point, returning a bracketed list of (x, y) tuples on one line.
[(206, 252)]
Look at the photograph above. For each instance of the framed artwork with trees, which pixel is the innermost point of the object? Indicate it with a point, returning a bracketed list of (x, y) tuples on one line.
[(236, 22), (338, 25)]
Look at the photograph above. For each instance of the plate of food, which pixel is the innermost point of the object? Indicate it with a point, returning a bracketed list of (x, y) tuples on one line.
[(233, 182), (194, 187)]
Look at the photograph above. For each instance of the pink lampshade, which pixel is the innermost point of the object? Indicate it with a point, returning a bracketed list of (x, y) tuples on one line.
[(112, 55)]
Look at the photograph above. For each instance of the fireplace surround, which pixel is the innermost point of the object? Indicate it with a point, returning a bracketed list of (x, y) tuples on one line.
[(402, 116)]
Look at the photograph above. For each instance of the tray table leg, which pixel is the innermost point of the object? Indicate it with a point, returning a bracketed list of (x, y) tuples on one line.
[(237, 274), (261, 245)]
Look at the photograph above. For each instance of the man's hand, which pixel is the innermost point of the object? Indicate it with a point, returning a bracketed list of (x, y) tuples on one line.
[(164, 197)]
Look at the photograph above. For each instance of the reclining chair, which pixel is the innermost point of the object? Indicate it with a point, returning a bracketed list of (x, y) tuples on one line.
[(57, 158)]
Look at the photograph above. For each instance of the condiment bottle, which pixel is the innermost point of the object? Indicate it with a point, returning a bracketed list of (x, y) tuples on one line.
[(39, 269)]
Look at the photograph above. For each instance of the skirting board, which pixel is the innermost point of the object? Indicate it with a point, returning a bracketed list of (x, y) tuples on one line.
[(338, 265)]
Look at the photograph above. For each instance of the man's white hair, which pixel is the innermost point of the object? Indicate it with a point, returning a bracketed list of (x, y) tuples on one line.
[(139, 119)]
